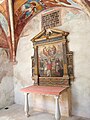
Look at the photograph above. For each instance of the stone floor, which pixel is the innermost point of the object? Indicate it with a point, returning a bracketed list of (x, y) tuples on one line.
[(15, 112)]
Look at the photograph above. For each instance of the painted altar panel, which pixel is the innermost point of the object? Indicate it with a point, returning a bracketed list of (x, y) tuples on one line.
[(50, 60)]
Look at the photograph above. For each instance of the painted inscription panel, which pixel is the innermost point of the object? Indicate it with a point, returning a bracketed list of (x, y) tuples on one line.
[(51, 19)]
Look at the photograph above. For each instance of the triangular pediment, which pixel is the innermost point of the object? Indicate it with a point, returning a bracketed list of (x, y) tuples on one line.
[(49, 33)]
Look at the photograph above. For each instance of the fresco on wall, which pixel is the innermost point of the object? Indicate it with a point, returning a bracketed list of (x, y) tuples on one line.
[(24, 10), (5, 37), (88, 2), (28, 8), (3, 15), (4, 24), (4, 19)]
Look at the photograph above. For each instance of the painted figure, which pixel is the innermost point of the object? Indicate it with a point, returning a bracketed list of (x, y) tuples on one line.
[(41, 69), (30, 8), (58, 68), (45, 51), (49, 68), (52, 50), (27, 10)]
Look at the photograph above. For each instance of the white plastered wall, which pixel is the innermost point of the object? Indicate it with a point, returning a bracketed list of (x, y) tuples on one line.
[(6, 80)]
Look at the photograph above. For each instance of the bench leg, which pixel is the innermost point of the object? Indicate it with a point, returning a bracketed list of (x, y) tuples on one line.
[(26, 107), (57, 109)]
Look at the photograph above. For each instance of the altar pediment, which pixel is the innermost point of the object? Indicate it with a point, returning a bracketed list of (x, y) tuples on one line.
[(49, 34)]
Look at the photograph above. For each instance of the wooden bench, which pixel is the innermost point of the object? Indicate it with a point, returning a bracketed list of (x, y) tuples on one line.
[(45, 90)]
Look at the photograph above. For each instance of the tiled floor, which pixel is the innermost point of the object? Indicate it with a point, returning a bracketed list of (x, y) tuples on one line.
[(15, 112)]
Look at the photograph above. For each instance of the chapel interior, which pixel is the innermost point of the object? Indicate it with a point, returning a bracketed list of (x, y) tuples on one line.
[(45, 44)]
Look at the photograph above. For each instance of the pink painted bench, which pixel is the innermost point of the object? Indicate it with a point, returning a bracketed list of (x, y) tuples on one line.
[(45, 90)]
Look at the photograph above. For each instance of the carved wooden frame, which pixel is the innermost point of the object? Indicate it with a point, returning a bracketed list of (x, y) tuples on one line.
[(52, 37)]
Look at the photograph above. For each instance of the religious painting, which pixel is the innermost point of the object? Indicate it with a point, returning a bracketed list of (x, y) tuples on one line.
[(25, 9), (50, 60), (28, 8)]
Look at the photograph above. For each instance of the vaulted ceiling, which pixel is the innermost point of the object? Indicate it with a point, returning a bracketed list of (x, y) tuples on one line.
[(14, 15)]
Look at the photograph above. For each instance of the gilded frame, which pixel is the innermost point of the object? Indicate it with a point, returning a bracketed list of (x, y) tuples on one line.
[(46, 51)]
